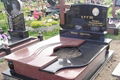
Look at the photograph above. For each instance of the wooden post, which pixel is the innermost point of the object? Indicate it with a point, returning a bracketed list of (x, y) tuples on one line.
[(62, 8)]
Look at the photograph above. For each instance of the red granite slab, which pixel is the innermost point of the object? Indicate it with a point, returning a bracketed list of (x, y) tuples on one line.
[(29, 61), (42, 51), (65, 74)]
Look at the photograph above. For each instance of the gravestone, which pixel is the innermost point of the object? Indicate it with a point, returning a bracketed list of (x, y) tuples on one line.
[(16, 21), (68, 53), (91, 19), (85, 20), (64, 56)]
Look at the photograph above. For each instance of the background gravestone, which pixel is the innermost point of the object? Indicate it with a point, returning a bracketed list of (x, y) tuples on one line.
[(16, 19)]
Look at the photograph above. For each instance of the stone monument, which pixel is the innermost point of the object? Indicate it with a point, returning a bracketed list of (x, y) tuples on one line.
[(19, 37), (78, 53), (16, 21)]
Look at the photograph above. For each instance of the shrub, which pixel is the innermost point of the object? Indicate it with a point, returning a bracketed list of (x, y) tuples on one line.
[(36, 24), (48, 24), (54, 22)]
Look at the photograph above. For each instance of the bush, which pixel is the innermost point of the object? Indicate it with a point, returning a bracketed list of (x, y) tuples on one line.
[(54, 22), (37, 24), (48, 24)]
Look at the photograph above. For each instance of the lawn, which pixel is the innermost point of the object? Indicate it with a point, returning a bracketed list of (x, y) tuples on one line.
[(46, 35), (3, 22), (114, 37)]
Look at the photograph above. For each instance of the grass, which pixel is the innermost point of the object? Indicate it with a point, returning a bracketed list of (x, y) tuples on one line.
[(110, 12), (33, 34), (46, 35), (1, 60), (1, 5), (28, 23), (51, 33), (3, 22), (114, 37)]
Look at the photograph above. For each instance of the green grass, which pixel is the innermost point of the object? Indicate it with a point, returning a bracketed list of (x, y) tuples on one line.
[(28, 23), (46, 35), (51, 33), (3, 22), (1, 60), (33, 34), (110, 12), (1, 6), (114, 37)]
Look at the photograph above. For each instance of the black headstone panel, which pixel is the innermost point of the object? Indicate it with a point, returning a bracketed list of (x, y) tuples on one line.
[(86, 17), (18, 23), (16, 20)]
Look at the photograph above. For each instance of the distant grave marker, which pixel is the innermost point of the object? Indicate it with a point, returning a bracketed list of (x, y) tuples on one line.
[(16, 19)]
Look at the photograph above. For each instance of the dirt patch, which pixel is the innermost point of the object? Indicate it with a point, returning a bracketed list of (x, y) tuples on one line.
[(105, 74), (3, 67)]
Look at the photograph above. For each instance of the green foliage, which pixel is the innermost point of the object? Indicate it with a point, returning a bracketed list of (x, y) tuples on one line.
[(28, 22), (110, 12), (54, 22), (1, 60), (49, 34), (34, 34), (1, 6), (36, 24), (114, 37), (3, 22), (3, 18), (46, 35), (47, 24)]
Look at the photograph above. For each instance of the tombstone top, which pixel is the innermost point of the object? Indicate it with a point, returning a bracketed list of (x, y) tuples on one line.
[(13, 7), (86, 17)]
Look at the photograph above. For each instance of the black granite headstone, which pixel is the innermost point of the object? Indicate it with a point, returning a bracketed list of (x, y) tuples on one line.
[(15, 19), (85, 21), (86, 17)]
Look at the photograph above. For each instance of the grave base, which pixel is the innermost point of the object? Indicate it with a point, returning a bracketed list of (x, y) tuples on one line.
[(8, 76)]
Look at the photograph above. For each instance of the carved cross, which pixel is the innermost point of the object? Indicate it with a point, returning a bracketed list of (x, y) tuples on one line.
[(62, 8)]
